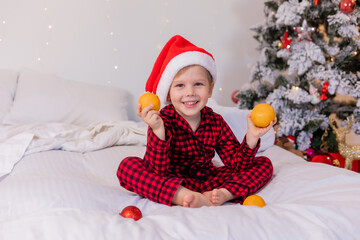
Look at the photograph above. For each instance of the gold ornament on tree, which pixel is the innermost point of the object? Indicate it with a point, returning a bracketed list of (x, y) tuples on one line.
[(350, 153)]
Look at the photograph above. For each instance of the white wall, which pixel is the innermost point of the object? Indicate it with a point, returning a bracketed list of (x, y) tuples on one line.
[(115, 42)]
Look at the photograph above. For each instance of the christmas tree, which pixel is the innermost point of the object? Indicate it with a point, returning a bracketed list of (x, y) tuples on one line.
[(309, 66)]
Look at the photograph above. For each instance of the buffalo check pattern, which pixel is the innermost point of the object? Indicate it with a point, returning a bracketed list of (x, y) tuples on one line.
[(185, 158)]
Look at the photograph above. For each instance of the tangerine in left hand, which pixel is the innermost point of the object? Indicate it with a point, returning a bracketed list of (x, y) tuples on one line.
[(149, 98), (262, 114)]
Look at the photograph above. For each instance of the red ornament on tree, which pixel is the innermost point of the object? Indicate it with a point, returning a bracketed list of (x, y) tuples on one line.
[(233, 96), (285, 41), (347, 6), (324, 91)]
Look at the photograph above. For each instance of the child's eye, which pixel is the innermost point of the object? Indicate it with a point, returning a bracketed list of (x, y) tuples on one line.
[(199, 84), (179, 85)]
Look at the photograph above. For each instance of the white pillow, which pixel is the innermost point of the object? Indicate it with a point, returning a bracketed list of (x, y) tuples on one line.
[(8, 80), (47, 98), (236, 119)]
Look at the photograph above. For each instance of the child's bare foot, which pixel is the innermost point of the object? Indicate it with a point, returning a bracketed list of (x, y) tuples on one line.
[(195, 200), (218, 196), (191, 199)]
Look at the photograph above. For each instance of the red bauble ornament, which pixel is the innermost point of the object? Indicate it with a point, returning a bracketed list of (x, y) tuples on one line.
[(338, 159), (131, 212), (233, 98), (310, 152), (347, 6), (323, 97), (322, 159), (341, 162), (324, 91)]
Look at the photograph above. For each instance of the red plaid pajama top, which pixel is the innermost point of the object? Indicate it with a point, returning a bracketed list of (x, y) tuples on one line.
[(185, 158)]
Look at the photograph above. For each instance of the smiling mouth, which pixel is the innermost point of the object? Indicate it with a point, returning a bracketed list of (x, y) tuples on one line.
[(190, 103)]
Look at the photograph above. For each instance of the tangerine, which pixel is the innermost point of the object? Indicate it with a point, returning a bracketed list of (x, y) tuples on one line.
[(254, 200), (149, 98), (262, 114)]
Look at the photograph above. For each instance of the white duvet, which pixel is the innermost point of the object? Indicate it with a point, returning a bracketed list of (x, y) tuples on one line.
[(21, 139), (60, 194)]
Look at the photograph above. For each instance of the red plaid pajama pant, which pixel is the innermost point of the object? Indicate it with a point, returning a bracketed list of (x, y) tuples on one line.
[(135, 177)]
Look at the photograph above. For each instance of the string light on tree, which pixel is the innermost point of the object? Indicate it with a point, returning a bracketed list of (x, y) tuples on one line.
[(294, 88)]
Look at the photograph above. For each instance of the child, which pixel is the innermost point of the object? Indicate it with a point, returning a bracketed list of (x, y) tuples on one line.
[(182, 138)]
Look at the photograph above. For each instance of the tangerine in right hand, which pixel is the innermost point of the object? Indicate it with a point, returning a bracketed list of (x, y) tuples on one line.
[(149, 98)]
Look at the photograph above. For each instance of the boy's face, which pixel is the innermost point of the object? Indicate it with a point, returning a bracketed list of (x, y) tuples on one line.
[(190, 90)]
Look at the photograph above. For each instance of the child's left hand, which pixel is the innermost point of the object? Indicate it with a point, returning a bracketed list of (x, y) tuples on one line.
[(254, 132)]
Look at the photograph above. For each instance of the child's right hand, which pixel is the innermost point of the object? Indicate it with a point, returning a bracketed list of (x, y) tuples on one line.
[(152, 118)]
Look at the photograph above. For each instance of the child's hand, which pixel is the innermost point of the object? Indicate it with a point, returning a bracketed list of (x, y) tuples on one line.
[(254, 132), (152, 118)]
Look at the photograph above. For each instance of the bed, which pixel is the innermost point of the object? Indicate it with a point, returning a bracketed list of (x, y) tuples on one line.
[(60, 148)]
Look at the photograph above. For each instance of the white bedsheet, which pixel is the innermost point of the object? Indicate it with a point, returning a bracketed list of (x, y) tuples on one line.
[(21, 139), (72, 195)]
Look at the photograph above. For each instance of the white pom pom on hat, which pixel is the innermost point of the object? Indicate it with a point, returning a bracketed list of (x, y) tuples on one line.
[(176, 54)]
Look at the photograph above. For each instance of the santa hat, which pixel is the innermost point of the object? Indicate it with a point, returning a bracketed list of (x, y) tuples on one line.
[(176, 54)]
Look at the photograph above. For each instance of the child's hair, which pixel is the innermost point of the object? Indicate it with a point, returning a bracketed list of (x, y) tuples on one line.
[(209, 76)]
